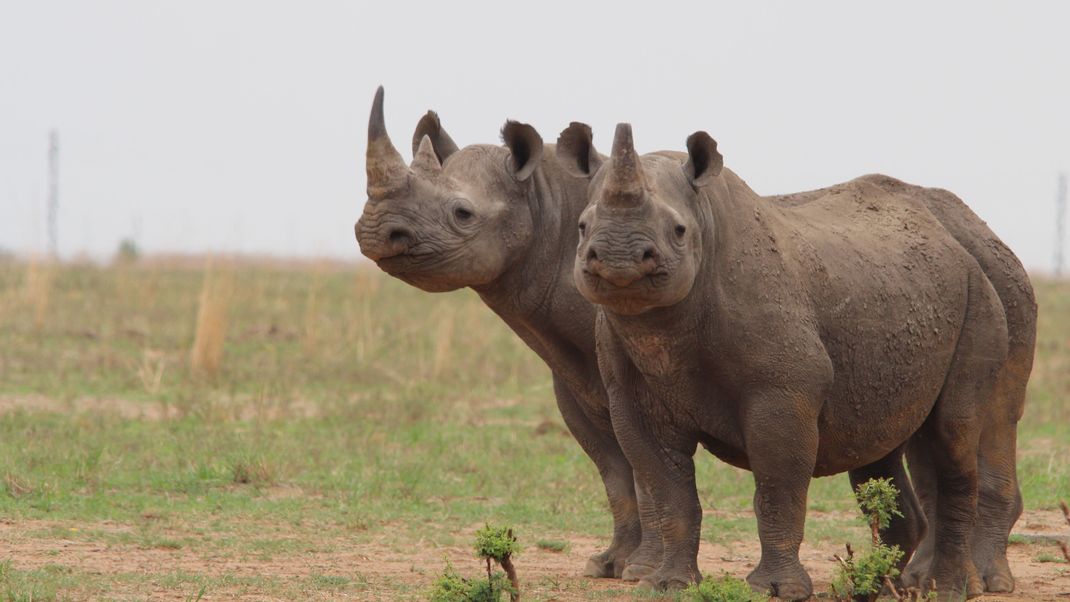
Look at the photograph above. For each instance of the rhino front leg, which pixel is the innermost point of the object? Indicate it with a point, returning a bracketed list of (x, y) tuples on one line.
[(647, 557), (601, 446), (668, 476), (781, 443)]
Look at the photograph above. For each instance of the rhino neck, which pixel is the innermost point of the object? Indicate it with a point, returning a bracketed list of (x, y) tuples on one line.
[(536, 296)]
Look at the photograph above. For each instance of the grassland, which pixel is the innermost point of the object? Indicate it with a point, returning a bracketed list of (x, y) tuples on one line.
[(349, 433)]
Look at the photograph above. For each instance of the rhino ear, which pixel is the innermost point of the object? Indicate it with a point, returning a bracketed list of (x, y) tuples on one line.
[(703, 160), (525, 148), (431, 127), (575, 148)]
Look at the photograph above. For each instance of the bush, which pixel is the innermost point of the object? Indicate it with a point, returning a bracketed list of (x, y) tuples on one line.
[(877, 497), (128, 251), (725, 588), (451, 587), (862, 578), (496, 544)]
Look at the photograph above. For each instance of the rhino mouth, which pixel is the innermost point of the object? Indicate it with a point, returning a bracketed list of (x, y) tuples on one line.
[(605, 292), (407, 262)]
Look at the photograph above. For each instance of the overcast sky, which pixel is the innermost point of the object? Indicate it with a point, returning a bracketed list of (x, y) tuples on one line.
[(240, 126)]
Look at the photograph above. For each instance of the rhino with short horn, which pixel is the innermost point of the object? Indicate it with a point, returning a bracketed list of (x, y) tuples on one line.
[(810, 336)]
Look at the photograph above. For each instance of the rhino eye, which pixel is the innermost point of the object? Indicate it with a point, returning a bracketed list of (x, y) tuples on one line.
[(681, 230), (462, 214)]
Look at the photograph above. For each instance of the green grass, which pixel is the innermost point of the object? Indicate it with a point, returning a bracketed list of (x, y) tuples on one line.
[(349, 408), (552, 545)]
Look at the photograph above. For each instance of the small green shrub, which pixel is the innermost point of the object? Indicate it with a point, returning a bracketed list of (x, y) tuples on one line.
[(496, 543), (725, 588), (861, 578), (877, 497), (451, 587)]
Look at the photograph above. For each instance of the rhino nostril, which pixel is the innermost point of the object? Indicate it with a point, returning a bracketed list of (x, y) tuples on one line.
[(399, 235), (649, 254), (592, 255)]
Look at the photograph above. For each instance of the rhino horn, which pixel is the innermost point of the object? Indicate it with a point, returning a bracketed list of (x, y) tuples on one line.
[(425, 160), (624, 183), (386, 168), (430, 125)]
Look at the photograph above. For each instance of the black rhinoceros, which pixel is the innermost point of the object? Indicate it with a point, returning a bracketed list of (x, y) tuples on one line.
[(501, 220), (796, 339)]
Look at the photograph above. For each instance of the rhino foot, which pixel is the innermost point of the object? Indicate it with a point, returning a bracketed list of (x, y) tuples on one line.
[(635, 571), (958, 584), (607, 565), (914, 575), (661, 582), (790, 582), (997, 577)]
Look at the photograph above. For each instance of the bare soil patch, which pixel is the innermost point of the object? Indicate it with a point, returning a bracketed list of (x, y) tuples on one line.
[(389, 569)]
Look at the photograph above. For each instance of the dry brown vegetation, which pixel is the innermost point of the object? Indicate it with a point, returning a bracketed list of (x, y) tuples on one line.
[(355, 433)]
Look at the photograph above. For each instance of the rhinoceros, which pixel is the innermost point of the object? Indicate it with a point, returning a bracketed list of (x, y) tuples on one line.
[(501, 220), (796, 339), (1000, 500)]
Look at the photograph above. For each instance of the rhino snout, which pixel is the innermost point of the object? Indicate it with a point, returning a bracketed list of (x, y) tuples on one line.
[(621, 269), (384, 241)]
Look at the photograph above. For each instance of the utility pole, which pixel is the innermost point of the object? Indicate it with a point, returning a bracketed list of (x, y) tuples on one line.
[(53, 194), (1060, 224)]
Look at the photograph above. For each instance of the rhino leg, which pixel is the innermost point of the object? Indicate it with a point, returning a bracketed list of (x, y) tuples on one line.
[(999, 506), (664, 469), (923, 475), (1000, 502), (952, 434), (782, 477), (904, 531), (601, 446), (647, 557)]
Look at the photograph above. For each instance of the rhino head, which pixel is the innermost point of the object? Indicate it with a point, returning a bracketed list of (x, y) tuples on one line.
[(641, 235), (454, 217)]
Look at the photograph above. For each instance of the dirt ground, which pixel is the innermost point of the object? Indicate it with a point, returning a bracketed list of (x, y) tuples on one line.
[(390, 568)]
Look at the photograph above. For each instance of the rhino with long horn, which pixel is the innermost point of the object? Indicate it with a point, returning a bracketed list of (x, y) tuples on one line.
[(502, 221), (385, 167)]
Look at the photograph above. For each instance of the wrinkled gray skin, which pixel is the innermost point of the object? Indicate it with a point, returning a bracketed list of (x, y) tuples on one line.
[(791, 340), (1000, 501), (501, 220)]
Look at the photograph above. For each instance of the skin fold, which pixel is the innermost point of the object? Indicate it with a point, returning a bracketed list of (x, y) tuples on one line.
[(797, 337)]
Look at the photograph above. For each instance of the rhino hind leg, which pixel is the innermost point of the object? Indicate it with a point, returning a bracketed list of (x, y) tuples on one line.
[(999, 498), (952, 434), (923, 476), (904, 531), (601, 446)]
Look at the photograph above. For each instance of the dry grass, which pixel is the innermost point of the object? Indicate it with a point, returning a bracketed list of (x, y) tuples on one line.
[(206, 355), (443, 344), (38, 290), (345, 401)]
